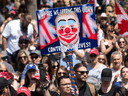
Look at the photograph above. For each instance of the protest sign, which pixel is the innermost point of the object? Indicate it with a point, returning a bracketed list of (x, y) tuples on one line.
[(67, 29)]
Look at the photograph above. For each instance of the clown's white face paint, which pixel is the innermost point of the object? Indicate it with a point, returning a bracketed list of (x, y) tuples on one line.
[(68, 28)]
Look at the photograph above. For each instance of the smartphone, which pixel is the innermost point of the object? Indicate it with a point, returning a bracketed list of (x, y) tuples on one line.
[(42, 72)]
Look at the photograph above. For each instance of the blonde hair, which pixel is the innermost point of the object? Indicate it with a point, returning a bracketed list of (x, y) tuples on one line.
[(3, 64), (71, 13), (19, 64)]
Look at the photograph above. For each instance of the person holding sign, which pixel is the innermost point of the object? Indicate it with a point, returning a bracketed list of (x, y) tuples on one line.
[(68, 28)]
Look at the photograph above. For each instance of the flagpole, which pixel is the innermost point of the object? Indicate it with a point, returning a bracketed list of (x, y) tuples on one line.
[(72, 73)]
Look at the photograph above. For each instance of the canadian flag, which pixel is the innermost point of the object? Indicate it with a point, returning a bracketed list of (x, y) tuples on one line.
[(122, 19)]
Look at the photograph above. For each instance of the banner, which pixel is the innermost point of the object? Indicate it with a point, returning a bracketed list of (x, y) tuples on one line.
[(67, 29), (122, 19)]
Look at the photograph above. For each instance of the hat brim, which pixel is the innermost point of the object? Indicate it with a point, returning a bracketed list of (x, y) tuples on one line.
[(108, 79), (8, 82)]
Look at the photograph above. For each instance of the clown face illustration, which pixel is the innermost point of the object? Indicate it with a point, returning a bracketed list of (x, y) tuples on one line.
[(67, 27)]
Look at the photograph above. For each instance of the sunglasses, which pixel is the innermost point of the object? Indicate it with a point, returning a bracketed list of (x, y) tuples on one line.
[(54, 66), (110, 11), (4, 58), (22, 42), (23, 57), (121, 42), (3, 70), (62, 73), (82, 72), (93, 55), (32, 57), (103, 18), (101, 59)]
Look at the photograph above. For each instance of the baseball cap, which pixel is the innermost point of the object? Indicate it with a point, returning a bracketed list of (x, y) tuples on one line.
[(93, 51), (6, 78), (4, 54), (24, 37), (31, 66), (36, 52), (106, 74), (24, 90)]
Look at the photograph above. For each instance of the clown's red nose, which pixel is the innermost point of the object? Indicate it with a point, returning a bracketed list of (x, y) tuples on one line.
[(67, 30)]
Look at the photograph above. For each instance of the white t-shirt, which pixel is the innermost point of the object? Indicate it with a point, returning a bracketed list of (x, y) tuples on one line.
[(96, 72), (114, 72), (12, 32)]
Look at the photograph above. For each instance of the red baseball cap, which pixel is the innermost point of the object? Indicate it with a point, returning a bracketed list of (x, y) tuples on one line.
[(24, 90), (93, 51)]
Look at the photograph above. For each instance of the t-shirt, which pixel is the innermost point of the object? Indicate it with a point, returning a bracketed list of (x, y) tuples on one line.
[(109, 93), (12, 32), (95, 72), (114, 72)]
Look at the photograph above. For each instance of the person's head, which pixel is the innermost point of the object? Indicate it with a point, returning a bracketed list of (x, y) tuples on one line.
[(25, 21), (124, 73), (23, 91), (116, 59), (109, 10), (126, 61), (6, 80), (106, 77), (23, 59), (114, 36), (80, 72), (31, 73), (23, 42), (4, 68), (67, 28), (36, 56), (55, 65), (102, 59), (120, 91), (61, 71), (107, 30), (64, 85), (93, 56), (122, 42), (103, 18), (47, 63), (5, 56)]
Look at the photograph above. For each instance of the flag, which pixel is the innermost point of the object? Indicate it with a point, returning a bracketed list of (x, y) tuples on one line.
[(122, 19), (89, 26), (47, 32), (93, 2)]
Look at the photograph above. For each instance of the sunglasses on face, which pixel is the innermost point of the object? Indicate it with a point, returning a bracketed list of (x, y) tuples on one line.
[(121, 42), (101, 59), (93, 55), (103, 18), (3, 70), (54, 66), (32, 57), (110, 11), (4, 58), (23, 42), (62, 73), (23, 57), (82, 72)]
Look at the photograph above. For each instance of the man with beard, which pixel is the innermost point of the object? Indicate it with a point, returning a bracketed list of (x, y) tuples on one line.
[(80, 79), (12, 32)]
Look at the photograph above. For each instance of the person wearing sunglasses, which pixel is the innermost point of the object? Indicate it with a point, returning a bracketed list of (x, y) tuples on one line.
[(80, 79), (35, 56), (23, 44), (94, 67)]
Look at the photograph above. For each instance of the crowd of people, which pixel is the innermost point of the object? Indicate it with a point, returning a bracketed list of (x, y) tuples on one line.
[(24, 71)]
